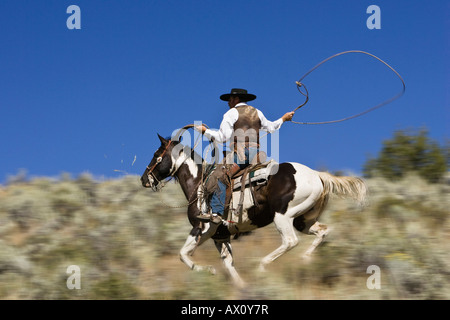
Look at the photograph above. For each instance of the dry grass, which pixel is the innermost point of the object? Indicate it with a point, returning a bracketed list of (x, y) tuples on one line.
[(126, 243)]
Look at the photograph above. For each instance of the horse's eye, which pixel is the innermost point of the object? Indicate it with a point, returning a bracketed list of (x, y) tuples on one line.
[(156, 154)]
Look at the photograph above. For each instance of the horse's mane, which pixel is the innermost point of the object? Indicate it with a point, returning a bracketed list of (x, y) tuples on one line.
[(193, 155)]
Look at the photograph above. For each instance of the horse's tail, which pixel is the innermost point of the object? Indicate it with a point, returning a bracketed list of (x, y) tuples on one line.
[(344, 186)]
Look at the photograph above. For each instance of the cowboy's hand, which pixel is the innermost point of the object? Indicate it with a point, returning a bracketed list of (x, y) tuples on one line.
[(201, 128), (288, 116)]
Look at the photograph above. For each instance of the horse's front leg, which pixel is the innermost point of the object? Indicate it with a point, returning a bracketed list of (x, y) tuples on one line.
[(226, 254), (196, 238)]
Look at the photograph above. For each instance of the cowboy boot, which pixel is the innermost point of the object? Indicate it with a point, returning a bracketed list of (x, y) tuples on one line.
[(217, 205), (214, 217)]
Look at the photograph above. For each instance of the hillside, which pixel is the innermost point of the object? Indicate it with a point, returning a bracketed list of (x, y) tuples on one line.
[(125, 241)]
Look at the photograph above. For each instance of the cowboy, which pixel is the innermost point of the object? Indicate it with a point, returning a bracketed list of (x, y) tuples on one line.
[(240, 127)]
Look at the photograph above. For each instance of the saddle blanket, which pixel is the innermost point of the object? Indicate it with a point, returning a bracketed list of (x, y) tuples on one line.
[(259, 176)]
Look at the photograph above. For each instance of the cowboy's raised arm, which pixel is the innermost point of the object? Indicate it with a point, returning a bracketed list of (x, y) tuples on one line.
[(272, 126)]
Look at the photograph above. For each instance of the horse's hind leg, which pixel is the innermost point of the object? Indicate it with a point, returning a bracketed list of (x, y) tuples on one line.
[(289, 239), (308, 224), (226, 254), (320, 230)]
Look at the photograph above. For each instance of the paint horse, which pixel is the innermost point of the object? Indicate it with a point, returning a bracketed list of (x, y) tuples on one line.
[(293, 198)]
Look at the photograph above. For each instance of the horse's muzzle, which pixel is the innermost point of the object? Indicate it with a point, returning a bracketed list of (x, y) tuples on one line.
[(145, 182)]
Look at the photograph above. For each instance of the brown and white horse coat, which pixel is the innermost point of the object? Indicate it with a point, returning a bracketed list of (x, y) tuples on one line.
[(293, 199)]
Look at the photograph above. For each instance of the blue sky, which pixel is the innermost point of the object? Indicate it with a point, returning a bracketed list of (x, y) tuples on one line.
[(93, 99)]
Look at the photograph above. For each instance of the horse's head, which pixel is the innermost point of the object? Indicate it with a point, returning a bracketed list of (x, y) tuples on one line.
[(161, 166)]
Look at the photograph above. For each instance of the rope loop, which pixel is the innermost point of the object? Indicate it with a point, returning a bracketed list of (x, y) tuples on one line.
[(301, 84)]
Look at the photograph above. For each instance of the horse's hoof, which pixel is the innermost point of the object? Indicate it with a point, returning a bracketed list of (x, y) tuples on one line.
[(261, 268), (209, 269), (242, 286), (306, 257)]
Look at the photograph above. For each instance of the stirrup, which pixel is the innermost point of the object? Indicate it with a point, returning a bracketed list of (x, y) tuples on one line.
[(208, 217)]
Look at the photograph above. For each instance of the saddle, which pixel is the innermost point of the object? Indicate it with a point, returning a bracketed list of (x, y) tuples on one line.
[(256, 174), (244, 184)]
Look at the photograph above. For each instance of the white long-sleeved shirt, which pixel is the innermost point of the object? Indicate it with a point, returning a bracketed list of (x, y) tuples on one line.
[(225, 131)]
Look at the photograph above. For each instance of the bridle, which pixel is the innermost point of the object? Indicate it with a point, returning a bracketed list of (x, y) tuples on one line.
[(150, 173), (158, 161)]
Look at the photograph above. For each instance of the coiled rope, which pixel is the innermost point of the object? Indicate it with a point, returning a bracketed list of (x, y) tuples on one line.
[(306, 94)]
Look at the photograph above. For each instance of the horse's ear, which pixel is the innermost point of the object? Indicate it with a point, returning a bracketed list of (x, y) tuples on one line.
[(163, 141)]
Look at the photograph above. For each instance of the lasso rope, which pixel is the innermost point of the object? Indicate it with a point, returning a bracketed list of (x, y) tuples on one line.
[(300, 85)]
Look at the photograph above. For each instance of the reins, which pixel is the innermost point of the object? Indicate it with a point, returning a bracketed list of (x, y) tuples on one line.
[(306, 94), (177, 206)]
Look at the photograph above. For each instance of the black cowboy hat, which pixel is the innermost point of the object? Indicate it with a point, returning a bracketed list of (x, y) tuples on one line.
[(241, 93)]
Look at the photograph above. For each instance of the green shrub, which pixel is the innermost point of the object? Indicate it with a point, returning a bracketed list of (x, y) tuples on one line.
[(409, 151)]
